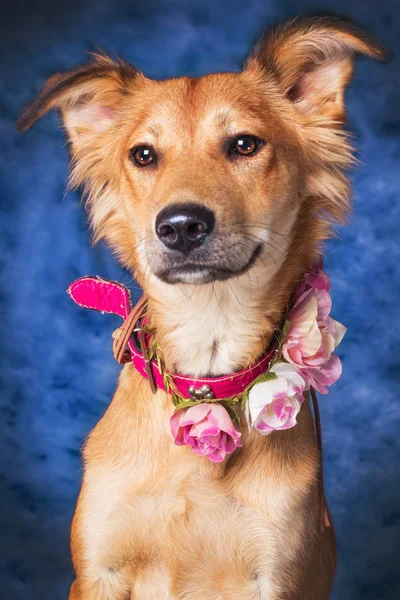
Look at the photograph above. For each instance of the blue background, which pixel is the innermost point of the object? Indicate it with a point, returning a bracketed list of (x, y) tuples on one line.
[(57, 372)]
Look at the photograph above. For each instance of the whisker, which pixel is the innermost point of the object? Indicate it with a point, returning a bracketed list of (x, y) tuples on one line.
[(260, 225), (256, 239)]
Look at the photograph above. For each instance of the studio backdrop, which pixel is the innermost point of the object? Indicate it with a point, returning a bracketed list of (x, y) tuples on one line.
[(57, 370)]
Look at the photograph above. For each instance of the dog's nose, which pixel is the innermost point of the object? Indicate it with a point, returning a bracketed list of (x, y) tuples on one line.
[(184, 226)]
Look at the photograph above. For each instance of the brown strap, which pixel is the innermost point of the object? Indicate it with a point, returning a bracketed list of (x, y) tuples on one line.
[(325, 520), (123, 334)]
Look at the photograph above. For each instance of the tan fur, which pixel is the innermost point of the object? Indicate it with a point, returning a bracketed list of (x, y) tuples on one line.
[(155, 521)]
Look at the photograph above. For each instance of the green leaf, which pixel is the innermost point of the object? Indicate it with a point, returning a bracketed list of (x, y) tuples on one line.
[(152, 350), (244, 400), (233, 401), (264, 377), (231, 411), (285, 330), (182, 403)]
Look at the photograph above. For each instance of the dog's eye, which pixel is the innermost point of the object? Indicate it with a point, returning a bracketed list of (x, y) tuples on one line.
[(142, 156), (246, 145)]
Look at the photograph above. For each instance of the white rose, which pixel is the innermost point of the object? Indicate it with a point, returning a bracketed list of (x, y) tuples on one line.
[(273, 405)]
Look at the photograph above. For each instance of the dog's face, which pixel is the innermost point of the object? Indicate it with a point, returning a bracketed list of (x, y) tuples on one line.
[(197, 180), (208, 173)]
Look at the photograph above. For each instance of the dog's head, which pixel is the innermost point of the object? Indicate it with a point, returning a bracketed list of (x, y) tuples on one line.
[(197, 180)]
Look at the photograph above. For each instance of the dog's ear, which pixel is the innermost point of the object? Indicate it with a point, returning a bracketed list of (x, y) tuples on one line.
[(88, 97), (312, 59)]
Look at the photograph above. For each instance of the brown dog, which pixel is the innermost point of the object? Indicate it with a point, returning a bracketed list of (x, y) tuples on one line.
[(258, 160)]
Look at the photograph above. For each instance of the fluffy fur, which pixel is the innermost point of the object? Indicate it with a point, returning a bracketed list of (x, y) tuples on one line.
[(154, 520)]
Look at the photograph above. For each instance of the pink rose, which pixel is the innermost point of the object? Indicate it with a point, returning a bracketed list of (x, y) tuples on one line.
[(274, 404), (313, 334), (208, 429)]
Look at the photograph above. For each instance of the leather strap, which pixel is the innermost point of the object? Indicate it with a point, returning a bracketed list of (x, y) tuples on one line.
[(325, 520), (124, 333)]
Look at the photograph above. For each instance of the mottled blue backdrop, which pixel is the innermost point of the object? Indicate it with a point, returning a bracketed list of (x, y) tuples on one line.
[(57, 372)]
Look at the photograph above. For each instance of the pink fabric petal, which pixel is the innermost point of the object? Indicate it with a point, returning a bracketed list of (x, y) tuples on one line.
[(232, 444), (179, 441), (289, 424), (214, 441), (279, 406), (315, 279), (220, 417), (319, 281), (260, 425), (194, 414), (187, 438), (324, 303), (204, 428), (293, 355), (174, 423), (200, 448), (339, 332), (303, 314), (322, 377), (269, 415), (309, 344), (218, 455)]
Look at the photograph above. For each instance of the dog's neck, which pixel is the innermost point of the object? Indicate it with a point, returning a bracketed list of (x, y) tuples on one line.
[(207, 330), (218, 328)]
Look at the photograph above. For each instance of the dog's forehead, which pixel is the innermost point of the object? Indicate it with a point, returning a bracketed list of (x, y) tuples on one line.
[(222, 101)]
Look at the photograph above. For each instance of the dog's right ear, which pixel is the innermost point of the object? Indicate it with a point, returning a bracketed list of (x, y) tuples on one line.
[(88, 97), (311, 59)]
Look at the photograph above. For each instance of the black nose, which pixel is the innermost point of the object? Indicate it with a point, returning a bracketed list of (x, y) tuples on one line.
[(184, 226)]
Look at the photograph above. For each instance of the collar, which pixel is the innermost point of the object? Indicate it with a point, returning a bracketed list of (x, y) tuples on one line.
[(132, 344)]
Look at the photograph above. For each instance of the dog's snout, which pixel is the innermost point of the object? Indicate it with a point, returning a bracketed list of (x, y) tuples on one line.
[(184, 227)]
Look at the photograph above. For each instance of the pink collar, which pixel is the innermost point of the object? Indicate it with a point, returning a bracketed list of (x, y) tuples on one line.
[(114, 298)]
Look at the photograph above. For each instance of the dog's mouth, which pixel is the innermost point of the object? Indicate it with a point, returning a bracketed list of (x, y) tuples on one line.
[(206, 270)]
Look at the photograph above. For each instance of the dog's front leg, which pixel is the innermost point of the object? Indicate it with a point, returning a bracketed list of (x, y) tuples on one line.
[(118, 530), (97, 577)]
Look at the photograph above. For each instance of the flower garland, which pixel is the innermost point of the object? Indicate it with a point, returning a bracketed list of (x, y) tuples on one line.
[(271, 402)]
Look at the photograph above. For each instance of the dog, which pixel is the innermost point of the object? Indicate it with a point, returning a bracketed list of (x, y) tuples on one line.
[(217, 194)]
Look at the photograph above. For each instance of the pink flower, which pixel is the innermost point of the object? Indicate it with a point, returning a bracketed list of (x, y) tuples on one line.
[(274, 404), (207, 428), (313, 334)]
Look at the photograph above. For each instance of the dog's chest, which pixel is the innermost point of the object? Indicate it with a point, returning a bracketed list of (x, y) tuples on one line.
[(152, 511), (188, 532)]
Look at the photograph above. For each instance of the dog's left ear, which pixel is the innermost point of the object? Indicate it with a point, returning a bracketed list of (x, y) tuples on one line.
[(312, 61), (88, 97)]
